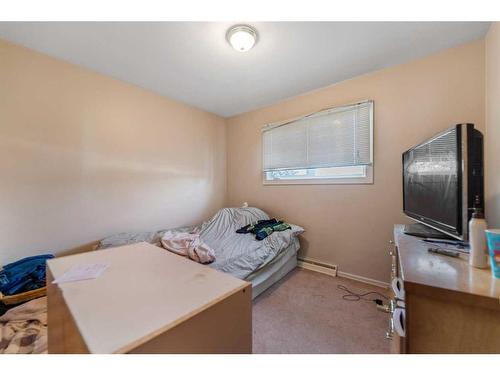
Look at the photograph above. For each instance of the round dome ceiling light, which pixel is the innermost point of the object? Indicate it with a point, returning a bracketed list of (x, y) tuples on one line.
[(242, 37)]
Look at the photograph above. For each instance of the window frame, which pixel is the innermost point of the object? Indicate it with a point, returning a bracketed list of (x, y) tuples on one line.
[(367, 180)]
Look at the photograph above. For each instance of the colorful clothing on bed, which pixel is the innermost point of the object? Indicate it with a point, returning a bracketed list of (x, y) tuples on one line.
[(264, 228), (23, 329)]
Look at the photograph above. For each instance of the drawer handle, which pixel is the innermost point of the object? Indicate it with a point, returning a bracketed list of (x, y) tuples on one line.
[(399, 321), (397, 287)]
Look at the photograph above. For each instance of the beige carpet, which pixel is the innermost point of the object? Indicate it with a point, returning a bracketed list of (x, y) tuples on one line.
[(305, 313)]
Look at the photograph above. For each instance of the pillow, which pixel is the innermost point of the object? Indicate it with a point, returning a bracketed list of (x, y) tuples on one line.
[(128, 238), (296, 230)]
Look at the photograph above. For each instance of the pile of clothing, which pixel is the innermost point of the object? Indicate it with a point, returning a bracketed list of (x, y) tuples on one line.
[(263, 228), (24, 275)]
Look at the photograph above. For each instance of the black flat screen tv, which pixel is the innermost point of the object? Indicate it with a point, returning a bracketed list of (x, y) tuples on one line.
[(443, 178)]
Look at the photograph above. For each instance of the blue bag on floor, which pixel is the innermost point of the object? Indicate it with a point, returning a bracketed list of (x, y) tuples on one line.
[(24, 275)]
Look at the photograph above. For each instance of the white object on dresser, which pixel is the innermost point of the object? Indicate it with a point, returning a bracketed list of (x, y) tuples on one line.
[(478, 256)]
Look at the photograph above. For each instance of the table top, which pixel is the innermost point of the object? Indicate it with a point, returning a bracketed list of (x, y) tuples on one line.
[(144, 292), (418, 266)]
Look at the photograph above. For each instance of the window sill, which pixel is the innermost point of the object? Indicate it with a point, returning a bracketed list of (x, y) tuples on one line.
[(368, 180)]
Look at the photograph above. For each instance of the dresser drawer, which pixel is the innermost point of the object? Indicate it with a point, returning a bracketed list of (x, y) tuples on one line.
[(396, 331)]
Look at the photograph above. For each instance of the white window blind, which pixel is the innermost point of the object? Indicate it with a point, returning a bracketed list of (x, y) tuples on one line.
[(336, 137)]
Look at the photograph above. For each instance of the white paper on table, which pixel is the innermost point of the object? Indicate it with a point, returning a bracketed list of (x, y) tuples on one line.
[(81, 272)]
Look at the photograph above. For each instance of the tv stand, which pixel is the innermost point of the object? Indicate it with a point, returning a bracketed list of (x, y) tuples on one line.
[(421, 230)]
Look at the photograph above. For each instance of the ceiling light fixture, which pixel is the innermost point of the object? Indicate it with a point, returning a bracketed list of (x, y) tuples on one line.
[(242, 37)]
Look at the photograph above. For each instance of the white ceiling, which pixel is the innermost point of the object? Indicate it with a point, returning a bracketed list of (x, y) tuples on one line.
[(193, 63)]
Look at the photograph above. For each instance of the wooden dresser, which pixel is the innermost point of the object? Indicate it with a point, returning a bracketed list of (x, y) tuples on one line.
[(440, 304), (147, 301)]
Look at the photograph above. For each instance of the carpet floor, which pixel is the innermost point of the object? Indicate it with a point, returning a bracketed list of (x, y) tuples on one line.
[(305, 313)]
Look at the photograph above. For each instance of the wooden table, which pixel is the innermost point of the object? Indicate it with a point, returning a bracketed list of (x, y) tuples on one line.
[(147, 301)]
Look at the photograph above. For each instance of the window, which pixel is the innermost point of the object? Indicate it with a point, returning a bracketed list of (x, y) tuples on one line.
[(331, 146)]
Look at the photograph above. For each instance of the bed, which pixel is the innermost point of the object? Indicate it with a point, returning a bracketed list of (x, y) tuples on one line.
[(262, 263)]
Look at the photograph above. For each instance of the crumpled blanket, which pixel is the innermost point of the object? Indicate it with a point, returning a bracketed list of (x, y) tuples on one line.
[(23, 329), (189, 245)]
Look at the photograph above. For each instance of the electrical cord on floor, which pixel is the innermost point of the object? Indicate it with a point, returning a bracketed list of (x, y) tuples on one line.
[(351, 296)]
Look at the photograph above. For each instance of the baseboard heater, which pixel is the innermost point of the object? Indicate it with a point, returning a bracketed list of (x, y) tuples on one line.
[(314, 265)]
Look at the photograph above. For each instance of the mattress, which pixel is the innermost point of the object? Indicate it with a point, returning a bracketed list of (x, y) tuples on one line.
[(266, 276)]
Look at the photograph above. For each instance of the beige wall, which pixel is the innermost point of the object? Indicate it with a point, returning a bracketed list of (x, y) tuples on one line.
[(349, 225), (83, 156), (493, 126)]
